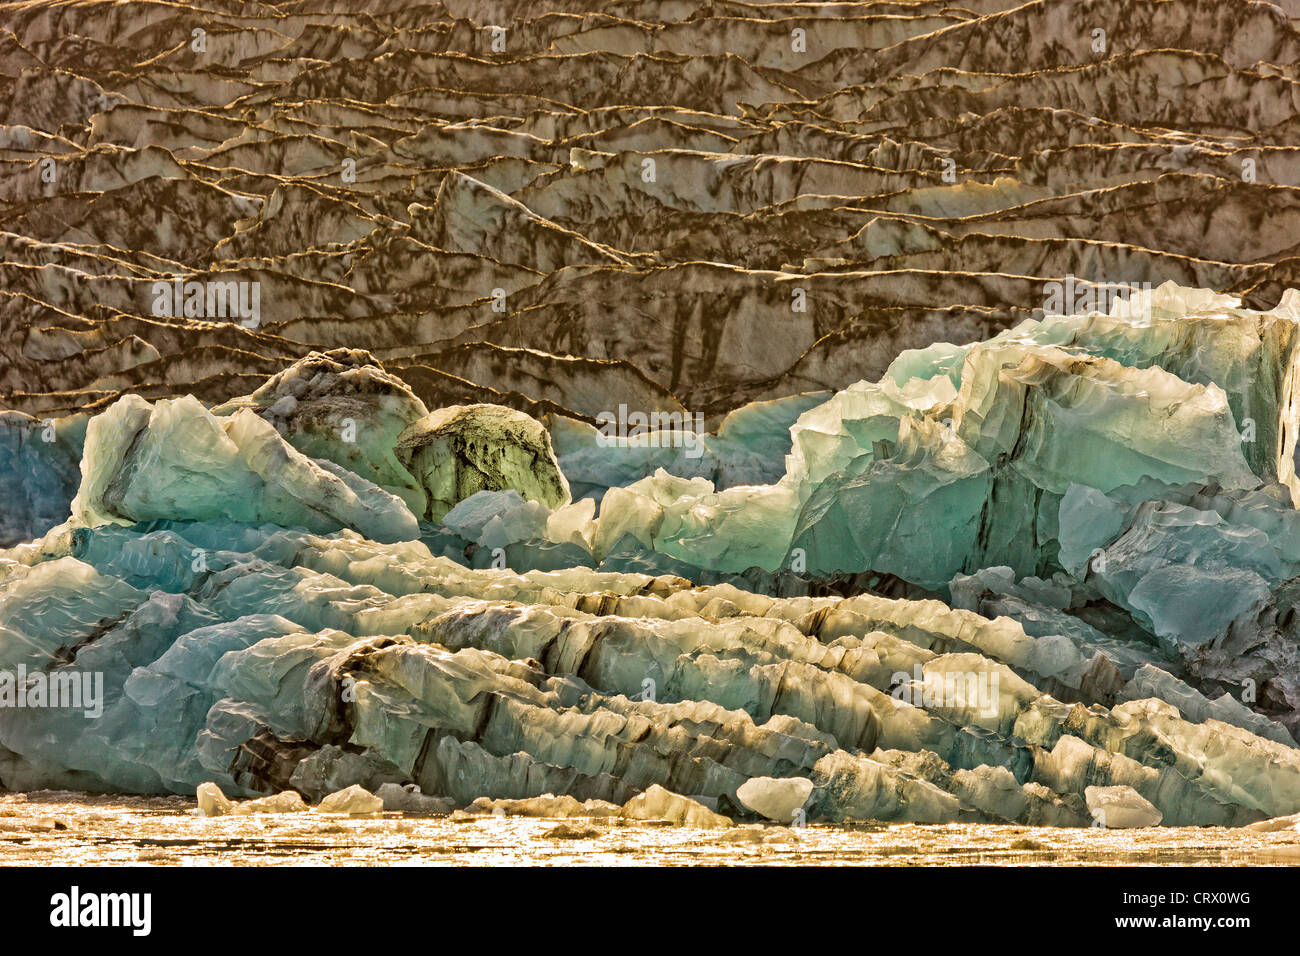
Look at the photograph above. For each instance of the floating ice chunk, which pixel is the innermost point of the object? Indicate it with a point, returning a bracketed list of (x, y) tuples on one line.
[(286, 801), (1121, 808), (777, 798), (212, 802), (409, 799), (174, 460), (994, 790), (545, 805), (656, 803), (1276, 824), (464, 771), (354, 801)]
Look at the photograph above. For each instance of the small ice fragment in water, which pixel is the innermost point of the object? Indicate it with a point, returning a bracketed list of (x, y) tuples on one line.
[(777, 798), (1121, 807), (355, 800), (212, 802)]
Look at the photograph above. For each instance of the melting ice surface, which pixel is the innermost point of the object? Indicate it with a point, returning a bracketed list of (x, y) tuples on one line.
[(1043, 578)]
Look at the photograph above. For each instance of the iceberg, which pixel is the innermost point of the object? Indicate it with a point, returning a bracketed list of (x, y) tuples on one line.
[(1042, 579), (176, 460), (459, 451), (341, 406)]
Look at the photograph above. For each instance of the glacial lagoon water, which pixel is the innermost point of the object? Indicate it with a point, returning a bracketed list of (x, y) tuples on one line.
[(53, 828)]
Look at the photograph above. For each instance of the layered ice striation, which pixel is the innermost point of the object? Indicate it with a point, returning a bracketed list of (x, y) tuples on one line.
[(1041, 578)]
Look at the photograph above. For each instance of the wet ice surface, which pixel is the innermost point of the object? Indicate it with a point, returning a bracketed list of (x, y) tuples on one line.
[(60, 828)]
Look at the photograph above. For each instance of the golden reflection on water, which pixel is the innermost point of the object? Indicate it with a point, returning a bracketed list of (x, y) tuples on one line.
[(60, 828)]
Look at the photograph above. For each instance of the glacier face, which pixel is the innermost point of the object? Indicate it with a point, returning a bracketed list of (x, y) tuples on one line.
[(1027, 579)]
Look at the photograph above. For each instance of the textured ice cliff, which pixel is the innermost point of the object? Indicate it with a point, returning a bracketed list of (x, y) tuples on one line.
[(1089, 565), (559, 206), (323, 325)]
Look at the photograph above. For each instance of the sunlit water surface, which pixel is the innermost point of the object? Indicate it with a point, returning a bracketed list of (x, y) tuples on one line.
[(60, 828)]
